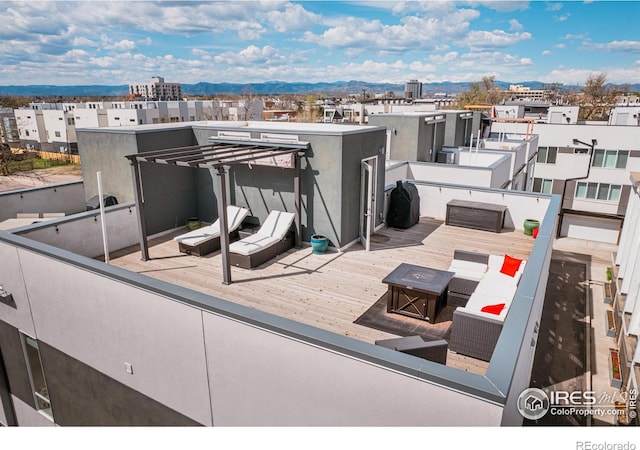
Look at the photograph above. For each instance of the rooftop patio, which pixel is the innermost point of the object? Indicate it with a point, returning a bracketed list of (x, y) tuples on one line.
[(329, 291)]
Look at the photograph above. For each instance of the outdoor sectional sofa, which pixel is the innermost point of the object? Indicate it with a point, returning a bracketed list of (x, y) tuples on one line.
[(490, 282)]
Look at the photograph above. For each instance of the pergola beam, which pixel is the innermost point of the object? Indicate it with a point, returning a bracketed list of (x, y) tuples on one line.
[(215, 156)]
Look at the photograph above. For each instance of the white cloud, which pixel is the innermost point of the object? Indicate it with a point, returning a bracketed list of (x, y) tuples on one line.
[(443, 59), (614, 46), (494, 59), (413, 32), (82, 41), (493, 39), (292, 18), (201, 53), (502, 6), (514, 25), (554, 7), (546, 52), (124, 44), (253, 55), (561, 46), (563, 18)]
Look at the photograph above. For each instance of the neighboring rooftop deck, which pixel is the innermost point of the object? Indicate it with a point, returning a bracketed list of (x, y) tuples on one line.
[(327, 291)]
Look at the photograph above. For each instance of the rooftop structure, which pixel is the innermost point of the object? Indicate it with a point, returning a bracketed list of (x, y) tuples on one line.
[(281, 345), (588, 164), (156, 89)]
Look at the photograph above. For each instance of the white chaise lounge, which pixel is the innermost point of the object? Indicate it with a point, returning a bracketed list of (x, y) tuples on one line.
[(273, 237), (207, 239)]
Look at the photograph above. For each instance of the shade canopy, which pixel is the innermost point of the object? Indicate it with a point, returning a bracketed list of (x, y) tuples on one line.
[(215, 156)]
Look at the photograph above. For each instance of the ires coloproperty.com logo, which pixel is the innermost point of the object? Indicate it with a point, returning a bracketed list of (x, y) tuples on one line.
[(534, 403)]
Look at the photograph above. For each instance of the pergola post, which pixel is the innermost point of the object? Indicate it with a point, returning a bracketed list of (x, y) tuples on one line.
[(297, 200), (137, 193), (224, 226)]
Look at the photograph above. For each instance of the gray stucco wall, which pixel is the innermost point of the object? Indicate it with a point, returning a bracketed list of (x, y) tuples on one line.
[(199, 359), (330, 181), (405, 134), (64, 197), (170, 193)]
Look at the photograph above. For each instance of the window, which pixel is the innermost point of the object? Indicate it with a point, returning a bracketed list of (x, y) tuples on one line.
[(598, 191), (547, 155), (71, 121), (36, 375), (542, 185), (610, 159), (581, 151), (57, 134)]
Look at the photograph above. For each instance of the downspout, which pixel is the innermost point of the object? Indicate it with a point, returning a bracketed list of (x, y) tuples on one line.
[(564, 187)]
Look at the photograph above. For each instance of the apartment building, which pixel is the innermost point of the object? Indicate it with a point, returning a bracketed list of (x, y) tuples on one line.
[(413, 89), (8, 127), (588, 163), (52, 126), (169, 344), (156, 89)]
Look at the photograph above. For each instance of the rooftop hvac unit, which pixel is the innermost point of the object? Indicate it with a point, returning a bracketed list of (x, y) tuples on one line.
[(446, 157)]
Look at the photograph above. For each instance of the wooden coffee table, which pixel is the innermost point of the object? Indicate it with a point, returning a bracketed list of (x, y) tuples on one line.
[(416, 291)]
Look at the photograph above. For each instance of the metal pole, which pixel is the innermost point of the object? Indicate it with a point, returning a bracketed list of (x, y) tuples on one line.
[(297, 200), (137, 194), (224, 226), (103, 219)]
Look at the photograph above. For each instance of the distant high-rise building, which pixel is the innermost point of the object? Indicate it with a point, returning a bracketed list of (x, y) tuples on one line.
[(413, 89), (156, 89)]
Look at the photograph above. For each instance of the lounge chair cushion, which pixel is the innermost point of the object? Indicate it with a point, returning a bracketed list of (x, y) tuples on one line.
[(252, 244), (235, 216), (273, 230), (277, 224)]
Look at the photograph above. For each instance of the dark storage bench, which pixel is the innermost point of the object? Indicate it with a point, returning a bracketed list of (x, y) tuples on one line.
[(478, 215)]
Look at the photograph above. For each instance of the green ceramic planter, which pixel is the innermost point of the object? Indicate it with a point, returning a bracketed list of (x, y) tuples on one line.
[(529, 225)]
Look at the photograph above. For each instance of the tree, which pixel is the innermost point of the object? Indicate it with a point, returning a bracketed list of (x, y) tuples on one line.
[(483, 92), (13, 102), (598, 97)]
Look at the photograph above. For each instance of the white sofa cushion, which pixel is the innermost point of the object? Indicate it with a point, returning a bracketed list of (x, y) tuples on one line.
[(467, 269), (496, 284), (479, 300)]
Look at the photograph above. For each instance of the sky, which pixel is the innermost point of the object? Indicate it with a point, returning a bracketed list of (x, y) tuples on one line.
[(122, 42)]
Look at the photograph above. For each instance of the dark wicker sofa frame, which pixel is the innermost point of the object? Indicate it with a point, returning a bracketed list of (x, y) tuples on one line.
[(471, 335), (460, 289)]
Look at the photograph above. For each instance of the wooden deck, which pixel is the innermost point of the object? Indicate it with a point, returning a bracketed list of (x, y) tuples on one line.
[(328, 291)]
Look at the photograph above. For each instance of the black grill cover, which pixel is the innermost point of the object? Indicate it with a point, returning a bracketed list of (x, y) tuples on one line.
[(404, 206)]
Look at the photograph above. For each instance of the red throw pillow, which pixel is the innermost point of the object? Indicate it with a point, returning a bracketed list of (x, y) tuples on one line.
[(493, 309), (510, 265)]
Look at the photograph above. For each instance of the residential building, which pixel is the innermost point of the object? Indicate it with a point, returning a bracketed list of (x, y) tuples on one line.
[(8, 127), (413, 89), (156, 89), (169, 344), (31, 128), (60, 130), (520, 92), (588, 163), (51, 126)]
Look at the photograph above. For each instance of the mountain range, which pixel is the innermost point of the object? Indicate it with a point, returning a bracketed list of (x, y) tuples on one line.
[(265, 88)]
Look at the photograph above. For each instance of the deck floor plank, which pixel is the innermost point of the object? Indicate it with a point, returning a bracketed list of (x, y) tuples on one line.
[(331, 290)]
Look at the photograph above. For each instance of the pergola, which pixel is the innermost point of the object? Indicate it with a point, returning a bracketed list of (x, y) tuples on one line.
[(215, 157)]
